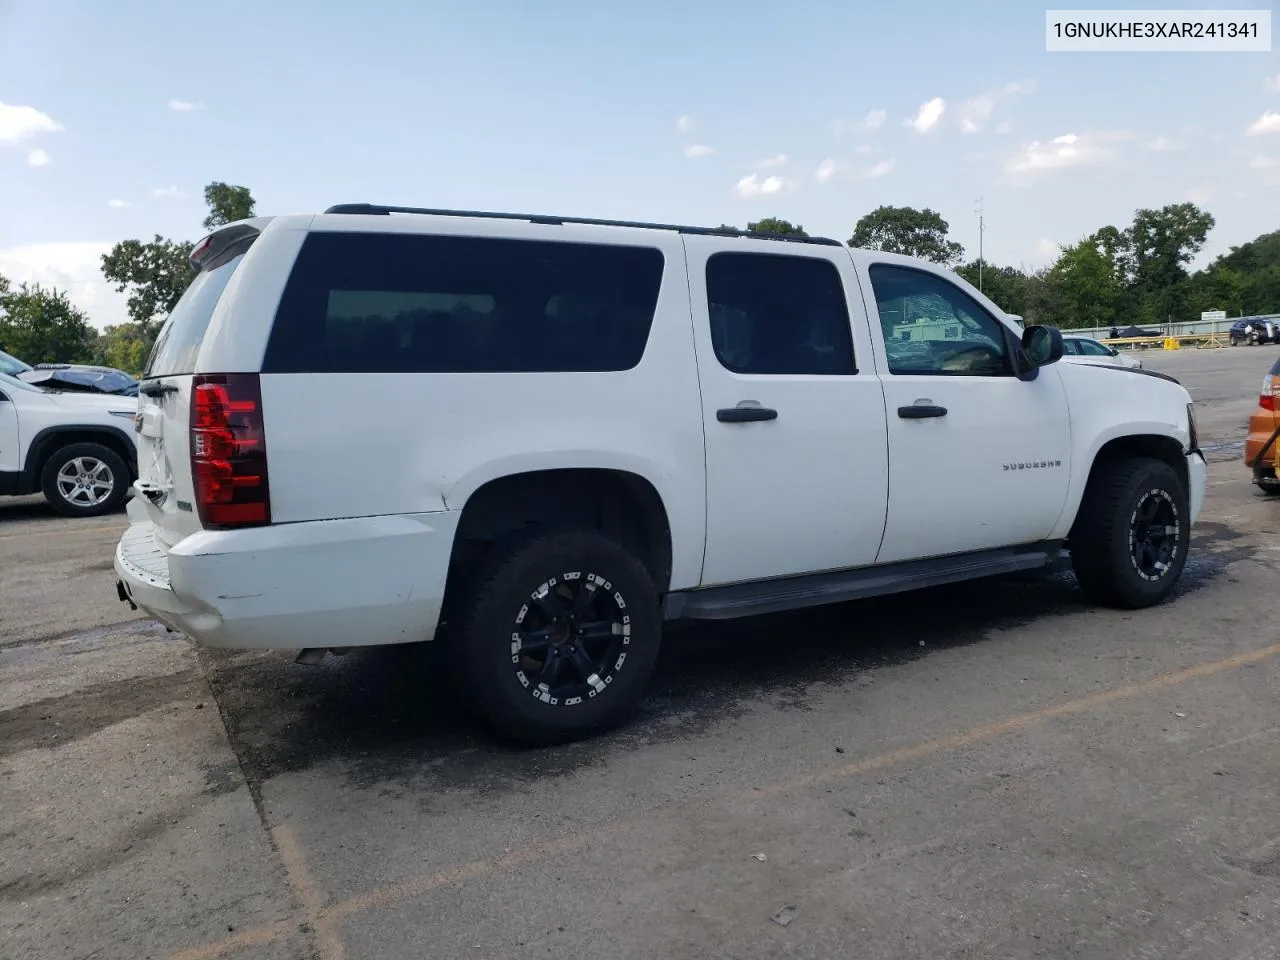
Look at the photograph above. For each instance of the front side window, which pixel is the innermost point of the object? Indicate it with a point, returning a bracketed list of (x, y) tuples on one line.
[(931, 326), (778, 314)]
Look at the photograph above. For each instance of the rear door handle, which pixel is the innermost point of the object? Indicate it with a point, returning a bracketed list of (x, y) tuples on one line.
[(921, 411), (746, 414)]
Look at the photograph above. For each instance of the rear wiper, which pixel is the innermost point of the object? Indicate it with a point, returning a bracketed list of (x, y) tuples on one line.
[(157, 389)]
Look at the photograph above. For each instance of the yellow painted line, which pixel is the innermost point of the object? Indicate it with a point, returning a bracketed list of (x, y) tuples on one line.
[(417, 886), (305, 888), (62, 533), (256, 937)]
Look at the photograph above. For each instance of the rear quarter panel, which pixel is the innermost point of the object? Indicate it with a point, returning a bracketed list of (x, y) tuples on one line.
[(367, 444)]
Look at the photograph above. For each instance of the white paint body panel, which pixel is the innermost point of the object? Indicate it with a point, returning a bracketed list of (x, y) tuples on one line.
[(369, 473), (28, 410), (1107, 403), (804, 492), (337, 583)]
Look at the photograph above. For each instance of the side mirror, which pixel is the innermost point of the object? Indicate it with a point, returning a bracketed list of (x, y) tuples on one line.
[(1114, 351), (1041, 346)]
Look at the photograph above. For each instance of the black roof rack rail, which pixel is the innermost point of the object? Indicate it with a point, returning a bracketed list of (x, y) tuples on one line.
[(379, 209)]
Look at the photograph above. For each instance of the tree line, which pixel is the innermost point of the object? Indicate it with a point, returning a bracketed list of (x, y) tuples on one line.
[(39, 324), (1116, 276), (1113, 277)]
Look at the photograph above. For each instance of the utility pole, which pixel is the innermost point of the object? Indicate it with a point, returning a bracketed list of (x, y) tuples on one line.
[(981, 229)]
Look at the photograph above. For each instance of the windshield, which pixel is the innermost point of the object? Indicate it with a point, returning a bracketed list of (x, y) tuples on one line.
[(12, 365)]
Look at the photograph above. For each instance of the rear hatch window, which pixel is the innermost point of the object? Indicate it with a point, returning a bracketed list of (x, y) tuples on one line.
[(179, 341), (164, 416)]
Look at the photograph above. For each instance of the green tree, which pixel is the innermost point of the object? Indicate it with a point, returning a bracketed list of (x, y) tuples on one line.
[(1088, 292), (1162, 242), (124, 346), (917, 233), (1007, 287), (227, 204), (40, 325), (154, 274), (774, 225)]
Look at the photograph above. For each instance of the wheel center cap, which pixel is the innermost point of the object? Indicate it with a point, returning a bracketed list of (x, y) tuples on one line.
[(562, 631)]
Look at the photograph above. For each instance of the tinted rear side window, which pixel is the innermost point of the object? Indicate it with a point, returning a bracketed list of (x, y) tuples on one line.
[(405, 303), (778, 314), (179, 341)]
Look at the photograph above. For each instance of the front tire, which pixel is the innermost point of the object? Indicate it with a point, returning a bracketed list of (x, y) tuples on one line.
[(85, 480), (1130, 539), (559, 637)]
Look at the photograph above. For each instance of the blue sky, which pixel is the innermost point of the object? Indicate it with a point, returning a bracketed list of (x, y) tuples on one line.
[(114, 115)]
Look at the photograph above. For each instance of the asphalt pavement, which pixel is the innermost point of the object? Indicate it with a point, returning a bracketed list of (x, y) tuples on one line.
[(988, 770)]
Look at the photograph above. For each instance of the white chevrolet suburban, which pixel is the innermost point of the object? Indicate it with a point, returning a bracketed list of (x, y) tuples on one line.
[(539, 437), (74, 447)]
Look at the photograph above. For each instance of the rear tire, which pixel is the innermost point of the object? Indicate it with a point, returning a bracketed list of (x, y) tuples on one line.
[(558, 637), (85, 480), (1130, 539)]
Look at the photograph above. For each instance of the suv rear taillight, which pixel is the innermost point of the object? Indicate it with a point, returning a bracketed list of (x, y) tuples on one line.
[(1270, 394), (229, 451)]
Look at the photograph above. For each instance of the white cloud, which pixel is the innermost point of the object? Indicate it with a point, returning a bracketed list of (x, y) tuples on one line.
[(779, 160), (698, 150), (877, 170), (827, 169), (1200, 195), (1269, 122), (22, 123), (117, 204), (170, 192), (1003, 127), (1264, 163), (874, 120), (1066, 151), (830, 168), (685, 124), (74, 267), (928, 115), (975, 112), (1046, 251), (1273, 82), (1164, 145), (38, 158), (862, 149), (184, 106), (752, 186)]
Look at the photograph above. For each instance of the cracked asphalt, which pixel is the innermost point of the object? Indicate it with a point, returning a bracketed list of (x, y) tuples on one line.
[(988, 770)]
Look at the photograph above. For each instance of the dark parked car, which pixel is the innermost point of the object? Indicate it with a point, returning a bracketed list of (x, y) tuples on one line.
[(71, 376), (1255, 330)]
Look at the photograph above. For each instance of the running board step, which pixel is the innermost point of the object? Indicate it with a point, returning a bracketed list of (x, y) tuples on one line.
[(812, 590)]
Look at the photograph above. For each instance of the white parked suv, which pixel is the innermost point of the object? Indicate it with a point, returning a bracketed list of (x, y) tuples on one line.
[(541, 437), (76, 448), (1087, 350)]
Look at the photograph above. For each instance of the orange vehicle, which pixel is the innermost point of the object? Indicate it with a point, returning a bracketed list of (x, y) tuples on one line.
[(1263, 441)]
